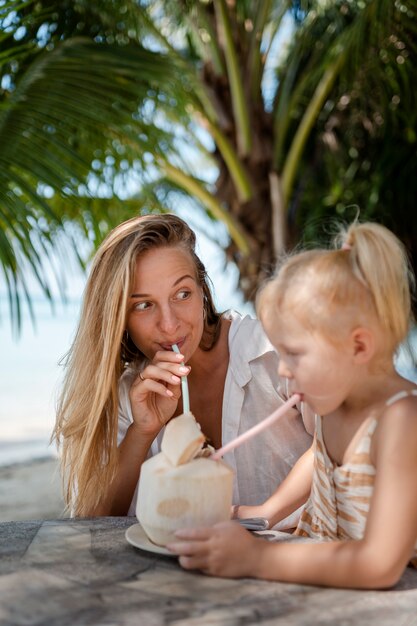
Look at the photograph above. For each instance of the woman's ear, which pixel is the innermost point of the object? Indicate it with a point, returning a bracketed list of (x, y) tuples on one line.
[(363, 345)]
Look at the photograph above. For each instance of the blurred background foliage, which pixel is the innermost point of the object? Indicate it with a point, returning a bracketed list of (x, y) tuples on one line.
[(275, 117)]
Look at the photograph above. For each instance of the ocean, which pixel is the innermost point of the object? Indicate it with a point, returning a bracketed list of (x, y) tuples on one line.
[(30, 375)]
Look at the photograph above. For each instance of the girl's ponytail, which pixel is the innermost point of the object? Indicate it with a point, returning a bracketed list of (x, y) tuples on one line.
[(379, 260)]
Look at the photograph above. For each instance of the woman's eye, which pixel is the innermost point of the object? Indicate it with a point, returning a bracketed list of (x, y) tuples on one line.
[(142, 306), (183, 294)]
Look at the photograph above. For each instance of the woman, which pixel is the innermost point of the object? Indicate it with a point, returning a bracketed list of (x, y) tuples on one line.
[(148, 290)]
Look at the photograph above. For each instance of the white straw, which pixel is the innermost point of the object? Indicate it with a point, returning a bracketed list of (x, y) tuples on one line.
[(257, 428), (184, 386)]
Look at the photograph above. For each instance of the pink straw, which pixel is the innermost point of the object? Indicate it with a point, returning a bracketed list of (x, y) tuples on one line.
[(257, 428)]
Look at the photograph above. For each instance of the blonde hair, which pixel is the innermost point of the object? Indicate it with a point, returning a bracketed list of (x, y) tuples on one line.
[(367, 280), (87, 410)]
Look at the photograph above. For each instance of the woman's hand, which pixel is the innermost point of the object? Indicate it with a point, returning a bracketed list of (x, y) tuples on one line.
[(156, 390), (225, 549)]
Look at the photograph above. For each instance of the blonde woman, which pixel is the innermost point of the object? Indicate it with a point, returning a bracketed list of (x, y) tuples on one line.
[(148, 290)]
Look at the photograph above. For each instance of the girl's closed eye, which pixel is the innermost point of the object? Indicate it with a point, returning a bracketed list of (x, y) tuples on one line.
[(292, 353), (288, 352)]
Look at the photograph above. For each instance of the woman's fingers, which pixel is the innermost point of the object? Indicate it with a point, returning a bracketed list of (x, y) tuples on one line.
[(156, 390), (142, 387), (164, 356), (167, 372)]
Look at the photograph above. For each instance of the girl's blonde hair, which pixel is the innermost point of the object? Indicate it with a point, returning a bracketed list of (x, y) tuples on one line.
[(87, 410), (366, 280)]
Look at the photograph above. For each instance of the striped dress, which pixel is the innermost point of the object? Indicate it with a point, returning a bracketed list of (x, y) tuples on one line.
[(341, 494)]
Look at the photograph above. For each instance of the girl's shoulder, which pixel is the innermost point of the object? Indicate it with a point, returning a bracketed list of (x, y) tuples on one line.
[(401, 405), (411, 392), (397, 426)]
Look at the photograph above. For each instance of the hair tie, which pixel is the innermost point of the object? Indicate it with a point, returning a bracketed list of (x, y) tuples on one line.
[(346, 246)]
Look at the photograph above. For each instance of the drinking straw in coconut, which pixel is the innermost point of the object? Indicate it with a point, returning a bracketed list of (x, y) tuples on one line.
[(184, 387), (257, 428)]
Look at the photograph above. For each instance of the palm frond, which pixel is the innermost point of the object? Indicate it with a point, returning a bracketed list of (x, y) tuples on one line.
[(241, 113)]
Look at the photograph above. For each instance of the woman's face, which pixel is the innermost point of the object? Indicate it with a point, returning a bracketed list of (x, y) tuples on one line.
[(166, 303)]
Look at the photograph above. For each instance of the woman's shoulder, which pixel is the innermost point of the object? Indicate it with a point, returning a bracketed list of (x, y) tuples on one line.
[(125, 382), (128, 376), (246, 334), (249, 347)]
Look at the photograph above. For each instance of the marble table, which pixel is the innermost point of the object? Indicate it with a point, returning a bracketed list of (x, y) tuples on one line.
[(84, 572)]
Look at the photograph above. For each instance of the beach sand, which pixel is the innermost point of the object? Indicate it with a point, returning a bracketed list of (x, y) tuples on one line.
[(30, 491)]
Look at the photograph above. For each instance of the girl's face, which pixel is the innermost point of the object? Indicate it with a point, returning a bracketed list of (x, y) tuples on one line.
[(319, 370), (166, 303)]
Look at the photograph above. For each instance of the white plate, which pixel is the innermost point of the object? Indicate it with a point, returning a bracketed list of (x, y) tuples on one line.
[(138, 538)]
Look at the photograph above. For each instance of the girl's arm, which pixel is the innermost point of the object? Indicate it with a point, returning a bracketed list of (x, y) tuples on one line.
[(291, 493), (376, 561), (379, 559)]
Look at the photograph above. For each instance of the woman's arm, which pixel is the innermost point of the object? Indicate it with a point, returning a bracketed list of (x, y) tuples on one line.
[(291, 493), (153, 399), (132, 452)]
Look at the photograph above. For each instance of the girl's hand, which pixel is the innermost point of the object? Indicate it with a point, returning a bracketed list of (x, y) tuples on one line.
[(155, 392), (243, 511), (226, 549)]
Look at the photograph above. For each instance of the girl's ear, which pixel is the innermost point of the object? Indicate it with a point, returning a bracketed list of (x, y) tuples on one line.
[(363, 345)]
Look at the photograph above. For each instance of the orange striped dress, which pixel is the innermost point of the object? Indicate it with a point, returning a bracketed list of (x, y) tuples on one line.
[(341, 494)]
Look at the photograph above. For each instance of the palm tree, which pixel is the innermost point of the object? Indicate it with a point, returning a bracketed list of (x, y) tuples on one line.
[(238, 105)]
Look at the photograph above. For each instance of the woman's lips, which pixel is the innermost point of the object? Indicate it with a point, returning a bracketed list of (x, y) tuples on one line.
[(168, 345)]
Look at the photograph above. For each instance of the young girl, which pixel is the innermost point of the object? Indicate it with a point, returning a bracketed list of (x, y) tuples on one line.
[(336, 318)]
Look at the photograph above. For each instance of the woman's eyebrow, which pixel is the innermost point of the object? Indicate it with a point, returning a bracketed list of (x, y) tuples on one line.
[(147, 295)]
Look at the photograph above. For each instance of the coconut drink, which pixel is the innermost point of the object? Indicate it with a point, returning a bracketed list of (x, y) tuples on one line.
[(179, 488)]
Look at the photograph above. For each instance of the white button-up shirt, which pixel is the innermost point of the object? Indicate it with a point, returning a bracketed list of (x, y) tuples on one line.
[(252, 391)]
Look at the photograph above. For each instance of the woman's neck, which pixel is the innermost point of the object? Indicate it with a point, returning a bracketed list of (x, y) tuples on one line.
[(206, 385), (204, 362)]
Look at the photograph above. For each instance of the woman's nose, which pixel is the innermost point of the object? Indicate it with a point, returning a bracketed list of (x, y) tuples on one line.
[(283, 370), (168, 321)]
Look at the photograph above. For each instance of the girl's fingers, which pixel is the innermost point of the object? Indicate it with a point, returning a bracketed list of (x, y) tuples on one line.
[(200, 533), (192, 542), (192, 554), (186, 548), (194, 562)]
